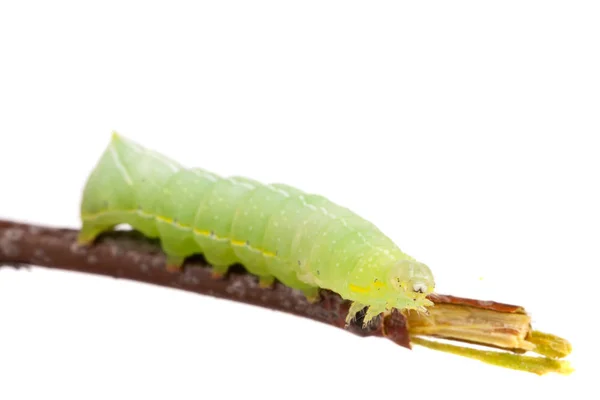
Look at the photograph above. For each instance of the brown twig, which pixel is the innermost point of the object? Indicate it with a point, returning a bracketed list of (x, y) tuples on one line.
[(129, 255)]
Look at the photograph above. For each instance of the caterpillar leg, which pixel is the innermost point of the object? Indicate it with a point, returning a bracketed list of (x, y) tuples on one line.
[(373, 312), (86, 239), (176, 248), (219, 271), (89, 233), (312, 294), (289, 278), (266, 282), (355, 308), (174, 263)]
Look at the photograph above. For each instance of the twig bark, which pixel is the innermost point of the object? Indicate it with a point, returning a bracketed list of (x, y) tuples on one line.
[(128, 255)]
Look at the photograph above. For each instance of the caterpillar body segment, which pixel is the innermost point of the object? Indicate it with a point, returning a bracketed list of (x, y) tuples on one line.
[(275, 231), (181, 195)]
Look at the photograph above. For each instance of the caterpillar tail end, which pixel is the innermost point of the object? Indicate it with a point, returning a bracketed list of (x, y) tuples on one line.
[(115, 136), (87, 236)]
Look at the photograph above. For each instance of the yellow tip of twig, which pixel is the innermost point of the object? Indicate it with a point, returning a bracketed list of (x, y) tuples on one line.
[(536, 365)]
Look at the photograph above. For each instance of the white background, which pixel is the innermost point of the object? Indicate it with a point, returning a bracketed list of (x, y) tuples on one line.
[(466, 131)]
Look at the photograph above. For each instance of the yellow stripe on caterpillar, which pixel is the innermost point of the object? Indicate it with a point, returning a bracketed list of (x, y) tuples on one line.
[(171, 221), (359, 289), (165, 219)]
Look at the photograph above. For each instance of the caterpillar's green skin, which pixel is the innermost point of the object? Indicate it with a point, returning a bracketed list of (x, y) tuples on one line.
[(275, 231)]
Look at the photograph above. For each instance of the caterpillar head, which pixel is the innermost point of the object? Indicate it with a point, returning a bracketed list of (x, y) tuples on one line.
[(412, 281)]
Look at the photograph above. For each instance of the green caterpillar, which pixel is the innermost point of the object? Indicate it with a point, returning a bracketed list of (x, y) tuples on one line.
[(276, 231)]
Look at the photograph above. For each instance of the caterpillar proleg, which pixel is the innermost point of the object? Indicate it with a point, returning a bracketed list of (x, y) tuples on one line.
[(276, 231)]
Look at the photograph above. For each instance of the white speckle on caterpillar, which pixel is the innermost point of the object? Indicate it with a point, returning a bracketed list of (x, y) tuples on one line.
[(279, 190)]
